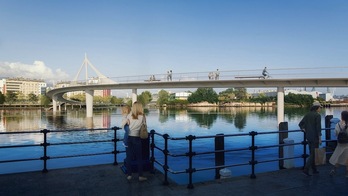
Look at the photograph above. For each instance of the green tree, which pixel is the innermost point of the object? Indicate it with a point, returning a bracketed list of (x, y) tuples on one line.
[(45, 101), (116, 101), (2, 98), (79, 97), (299, 99), (163, 97), (227, 95), (11, 97), (144, 98), (241, 93), (203, 94), (33, 98)]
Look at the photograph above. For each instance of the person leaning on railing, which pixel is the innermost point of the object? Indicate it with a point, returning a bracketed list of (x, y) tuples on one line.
[(311, 124), (134, 149)]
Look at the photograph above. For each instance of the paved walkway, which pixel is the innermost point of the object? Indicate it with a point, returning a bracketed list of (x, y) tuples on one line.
[(109, 180)]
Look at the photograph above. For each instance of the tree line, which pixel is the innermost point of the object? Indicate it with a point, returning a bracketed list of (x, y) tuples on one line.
[(165, 98)]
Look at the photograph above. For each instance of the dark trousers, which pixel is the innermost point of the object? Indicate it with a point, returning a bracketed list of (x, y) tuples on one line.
[(134, 150), (311, 159)]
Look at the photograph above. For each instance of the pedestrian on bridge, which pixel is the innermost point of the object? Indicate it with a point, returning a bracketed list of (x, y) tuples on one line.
[(311, 125)]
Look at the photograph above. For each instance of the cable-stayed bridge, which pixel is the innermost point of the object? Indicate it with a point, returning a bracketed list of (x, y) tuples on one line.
[(226, 79)]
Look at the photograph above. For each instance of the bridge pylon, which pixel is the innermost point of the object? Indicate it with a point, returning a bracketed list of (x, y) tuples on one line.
[(101, 79)]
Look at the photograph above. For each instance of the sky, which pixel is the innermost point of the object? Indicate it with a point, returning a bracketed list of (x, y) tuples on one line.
[(48, 39)]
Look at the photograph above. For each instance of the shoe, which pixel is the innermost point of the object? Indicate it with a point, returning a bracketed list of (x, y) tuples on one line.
[(306, 173), (141, 178), (129, 178), (332, 172), (315, 172)]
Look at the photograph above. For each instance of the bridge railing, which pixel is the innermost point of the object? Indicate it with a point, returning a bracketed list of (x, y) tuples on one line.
[(280, 73)]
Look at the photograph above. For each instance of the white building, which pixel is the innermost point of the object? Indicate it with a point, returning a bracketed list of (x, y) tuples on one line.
[(24, 86)]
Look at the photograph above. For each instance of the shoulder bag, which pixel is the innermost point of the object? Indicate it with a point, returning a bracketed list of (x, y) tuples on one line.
[(143, 129)]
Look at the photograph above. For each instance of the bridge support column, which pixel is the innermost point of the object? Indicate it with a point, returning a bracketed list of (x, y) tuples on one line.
[(280, 104), (89, 103), (54, 102), (134, 95)]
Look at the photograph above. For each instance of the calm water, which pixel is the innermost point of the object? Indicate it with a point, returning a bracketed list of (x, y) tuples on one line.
[(200, 121)]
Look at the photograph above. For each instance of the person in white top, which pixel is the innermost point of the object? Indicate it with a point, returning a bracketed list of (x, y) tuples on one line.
[(134, 149), (340, 155)]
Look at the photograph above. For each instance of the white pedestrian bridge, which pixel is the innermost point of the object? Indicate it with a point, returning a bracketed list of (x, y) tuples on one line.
[(246, 82)]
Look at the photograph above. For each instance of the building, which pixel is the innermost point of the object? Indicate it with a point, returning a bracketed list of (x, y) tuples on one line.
[(23, 86), (180, 95), (101, 93)]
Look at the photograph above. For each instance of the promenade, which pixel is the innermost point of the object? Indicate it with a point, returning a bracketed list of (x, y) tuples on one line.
[(109, 180)]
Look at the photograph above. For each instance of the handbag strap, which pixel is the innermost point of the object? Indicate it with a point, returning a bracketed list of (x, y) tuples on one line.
[(144, 119), (341, 130)]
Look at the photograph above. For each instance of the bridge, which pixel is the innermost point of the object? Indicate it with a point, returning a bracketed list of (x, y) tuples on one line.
[(227, 79)]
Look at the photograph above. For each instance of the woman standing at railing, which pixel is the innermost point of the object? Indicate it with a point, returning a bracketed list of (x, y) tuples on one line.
[(134, 149), (340, 155)]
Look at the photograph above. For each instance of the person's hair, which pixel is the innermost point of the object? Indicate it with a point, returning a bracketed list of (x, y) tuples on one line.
[(344, 117), (314, 108), (126, 109), (137, 109)]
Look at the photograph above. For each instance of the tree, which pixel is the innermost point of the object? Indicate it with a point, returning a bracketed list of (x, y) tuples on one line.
[(45, 101), (163, 97), (2, 98), (299, 99), (116, 101), (11, 97), (203, 94), (145, 97), (227, 95), (241, 93), (32, 98)]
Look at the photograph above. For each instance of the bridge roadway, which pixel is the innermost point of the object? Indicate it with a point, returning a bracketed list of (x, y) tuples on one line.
[(109, 180), (280, 84)]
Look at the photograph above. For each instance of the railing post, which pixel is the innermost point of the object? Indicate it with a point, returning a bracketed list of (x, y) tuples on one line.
[(152, 147), (304, 142), (115, 140), (283, 126), (165, 152), (190, 154), (219, 153), (329, 121), (253, 162), (45, 144)]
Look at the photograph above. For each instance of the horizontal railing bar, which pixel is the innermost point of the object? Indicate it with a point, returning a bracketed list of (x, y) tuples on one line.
[(77, 130), (20, 160), (18, 132), (86, 142), (21, 146), (80, 155)]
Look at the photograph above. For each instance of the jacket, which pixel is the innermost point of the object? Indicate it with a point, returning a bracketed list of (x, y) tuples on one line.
[(311, 124)]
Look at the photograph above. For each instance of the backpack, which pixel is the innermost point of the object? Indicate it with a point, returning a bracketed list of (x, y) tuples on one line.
[(342, 136)]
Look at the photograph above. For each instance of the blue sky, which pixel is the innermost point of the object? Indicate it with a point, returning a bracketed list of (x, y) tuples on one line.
[(47, 38)]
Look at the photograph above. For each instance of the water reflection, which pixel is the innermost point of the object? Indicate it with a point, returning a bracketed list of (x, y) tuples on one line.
[(202, 117)]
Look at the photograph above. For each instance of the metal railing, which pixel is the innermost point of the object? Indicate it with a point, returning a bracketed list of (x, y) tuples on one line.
[(45, 144), (165, 152), (190, 154)]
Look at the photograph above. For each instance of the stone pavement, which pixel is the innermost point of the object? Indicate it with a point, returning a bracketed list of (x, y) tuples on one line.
[(109, 180)]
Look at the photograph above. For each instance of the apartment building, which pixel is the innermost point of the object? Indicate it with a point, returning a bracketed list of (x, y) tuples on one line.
[(23, 85)]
